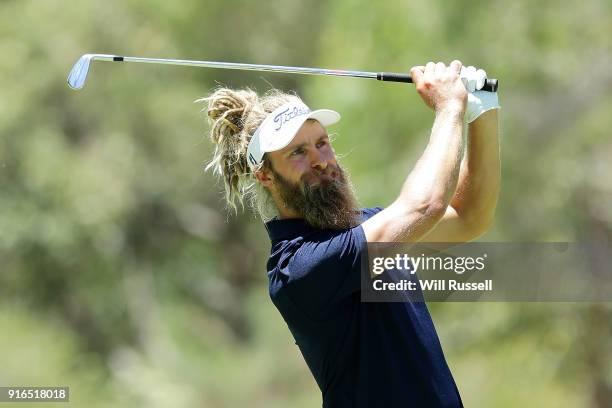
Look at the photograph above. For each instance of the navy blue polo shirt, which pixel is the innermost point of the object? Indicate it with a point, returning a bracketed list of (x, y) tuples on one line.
[(361, 354)]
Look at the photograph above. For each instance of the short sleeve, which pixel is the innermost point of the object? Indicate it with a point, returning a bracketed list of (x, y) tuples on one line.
[(326, 268)]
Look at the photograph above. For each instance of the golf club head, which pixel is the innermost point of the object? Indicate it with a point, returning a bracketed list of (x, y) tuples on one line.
[(78, 73)]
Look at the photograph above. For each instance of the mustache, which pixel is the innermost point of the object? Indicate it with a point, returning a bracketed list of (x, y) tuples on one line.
[(330, 171)]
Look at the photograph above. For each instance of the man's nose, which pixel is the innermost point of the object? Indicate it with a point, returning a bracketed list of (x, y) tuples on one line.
[(317, 160)]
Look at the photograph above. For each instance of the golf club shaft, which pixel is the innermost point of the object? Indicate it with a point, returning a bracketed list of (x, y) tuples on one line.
[(490, 84)]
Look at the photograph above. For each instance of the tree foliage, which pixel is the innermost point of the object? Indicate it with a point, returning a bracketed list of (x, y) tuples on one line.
[(123, 276)]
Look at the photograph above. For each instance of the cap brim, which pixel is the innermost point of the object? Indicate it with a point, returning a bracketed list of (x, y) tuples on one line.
[(325, 117)]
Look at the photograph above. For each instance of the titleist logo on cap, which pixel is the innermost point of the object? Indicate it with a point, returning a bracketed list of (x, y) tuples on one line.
[(285, 116)]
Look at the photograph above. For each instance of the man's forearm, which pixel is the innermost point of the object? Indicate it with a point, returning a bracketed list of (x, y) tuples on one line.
[(479, 177), (434, 177)]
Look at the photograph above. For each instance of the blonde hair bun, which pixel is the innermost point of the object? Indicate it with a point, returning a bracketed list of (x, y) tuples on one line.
[(235, 115)]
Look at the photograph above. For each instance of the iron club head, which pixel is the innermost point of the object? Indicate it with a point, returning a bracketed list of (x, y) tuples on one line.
[(78, 73)]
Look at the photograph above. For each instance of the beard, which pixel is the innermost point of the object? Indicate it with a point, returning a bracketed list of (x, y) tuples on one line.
[(330, 204)]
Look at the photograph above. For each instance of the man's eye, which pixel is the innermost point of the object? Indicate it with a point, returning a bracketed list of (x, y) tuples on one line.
[(321, 143), (297, 151)]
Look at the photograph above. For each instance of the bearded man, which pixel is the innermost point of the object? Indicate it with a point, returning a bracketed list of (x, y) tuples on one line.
[(276, 152)]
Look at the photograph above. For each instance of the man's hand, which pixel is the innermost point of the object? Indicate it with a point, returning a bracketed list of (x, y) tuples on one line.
[(473, 79), (479, 101), (440, 87)]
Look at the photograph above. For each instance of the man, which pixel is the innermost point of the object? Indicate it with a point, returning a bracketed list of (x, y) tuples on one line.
[(367, 354)]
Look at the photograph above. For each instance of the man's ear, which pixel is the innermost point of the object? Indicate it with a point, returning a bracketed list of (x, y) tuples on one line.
[(265, 177)]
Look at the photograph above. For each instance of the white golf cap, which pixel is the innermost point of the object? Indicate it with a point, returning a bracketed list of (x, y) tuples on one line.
[(280, 127)]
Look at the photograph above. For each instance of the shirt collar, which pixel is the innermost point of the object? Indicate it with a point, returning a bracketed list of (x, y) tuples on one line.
[(288, 228)]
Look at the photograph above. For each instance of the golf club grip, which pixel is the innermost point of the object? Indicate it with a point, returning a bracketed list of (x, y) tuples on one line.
[(490, 84)]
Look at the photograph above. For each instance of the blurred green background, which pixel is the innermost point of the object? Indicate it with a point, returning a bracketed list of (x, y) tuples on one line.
[(122, 275)]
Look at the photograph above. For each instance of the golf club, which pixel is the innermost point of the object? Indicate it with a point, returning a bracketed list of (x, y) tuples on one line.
[(78, 74)]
